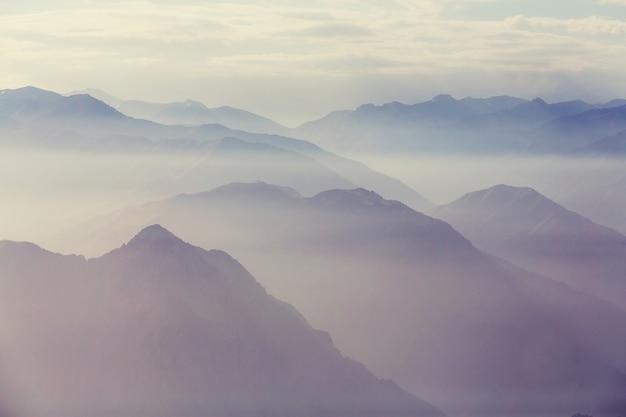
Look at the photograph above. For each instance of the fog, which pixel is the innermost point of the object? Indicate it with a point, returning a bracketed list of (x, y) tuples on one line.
[(593, 187), (403, 293), (44, 192)]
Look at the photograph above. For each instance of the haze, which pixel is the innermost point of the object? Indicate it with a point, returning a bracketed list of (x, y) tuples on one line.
[(380, 208)]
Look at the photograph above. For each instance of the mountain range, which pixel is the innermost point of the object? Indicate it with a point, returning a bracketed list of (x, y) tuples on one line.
[(39, 119), (444, 125), (500, 124), (159, 327), (407, 295), (188, 112), (452, 318)]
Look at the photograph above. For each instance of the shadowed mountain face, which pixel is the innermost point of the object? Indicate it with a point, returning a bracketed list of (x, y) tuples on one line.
[(410, 297), (159, 327), (527, 228)]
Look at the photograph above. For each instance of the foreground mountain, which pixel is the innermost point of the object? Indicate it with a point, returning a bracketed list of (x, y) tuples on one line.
[(408, 296), (527, 228), (159, 327)]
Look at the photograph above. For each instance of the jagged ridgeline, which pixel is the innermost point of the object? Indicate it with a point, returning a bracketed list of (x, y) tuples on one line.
[(159, 327)]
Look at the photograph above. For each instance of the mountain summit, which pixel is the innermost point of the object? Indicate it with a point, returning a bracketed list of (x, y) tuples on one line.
[(154, 234)]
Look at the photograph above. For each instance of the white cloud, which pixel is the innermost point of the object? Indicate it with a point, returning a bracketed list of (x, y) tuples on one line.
[(614, 2), (219, 44)]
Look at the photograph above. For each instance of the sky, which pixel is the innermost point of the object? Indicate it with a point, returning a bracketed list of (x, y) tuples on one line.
[(295, 61)]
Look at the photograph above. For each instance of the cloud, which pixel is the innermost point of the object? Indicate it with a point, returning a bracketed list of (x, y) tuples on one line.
[(335, 30), (321, 42), (613, 2)]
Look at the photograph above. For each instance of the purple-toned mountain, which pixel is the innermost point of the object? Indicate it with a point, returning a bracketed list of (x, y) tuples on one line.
[(159, 327), (408, 296), (527, 228)]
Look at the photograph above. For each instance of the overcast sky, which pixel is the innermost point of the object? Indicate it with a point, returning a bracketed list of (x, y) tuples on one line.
[(298, 60)]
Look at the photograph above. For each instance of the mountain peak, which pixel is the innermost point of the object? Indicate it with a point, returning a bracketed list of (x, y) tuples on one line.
[(259, 188), (502, 195), (154, 234), (30, 93), (443, 98), (354, 198), (501, 189)]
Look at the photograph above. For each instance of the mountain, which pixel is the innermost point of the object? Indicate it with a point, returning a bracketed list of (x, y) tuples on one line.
[(30, 104), (532, 231), (188, 112), (82, 123), (441, 125), (159, 327), (100, 95), (492, 104), (611, 146), (566, 134), (618, 102), (384, 128), (194, 113), (408, 296)]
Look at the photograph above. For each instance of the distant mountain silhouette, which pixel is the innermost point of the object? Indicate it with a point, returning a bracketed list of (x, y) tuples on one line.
[(188, 112), (569, 133), (610, 146), (100, 95), (408, 296), (500, 125), (192, 112), (36, 118), (527, 228), (162, 328), (618, 102)]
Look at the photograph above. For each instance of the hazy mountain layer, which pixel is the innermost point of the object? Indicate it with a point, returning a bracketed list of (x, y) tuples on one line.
[(37, 119), (409, 296), (444, 125), (527, 228), (159, 327)]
